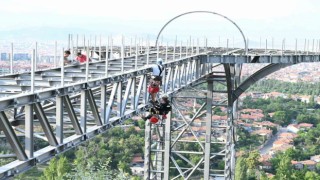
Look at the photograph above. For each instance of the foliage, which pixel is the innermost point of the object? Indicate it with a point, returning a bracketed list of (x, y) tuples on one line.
[(284, 110), (57, 169), (305, 88), (241, 169)]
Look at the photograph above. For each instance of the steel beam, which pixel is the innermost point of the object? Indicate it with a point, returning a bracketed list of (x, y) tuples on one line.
[(94, 107), (257, 76), (12, 138), (45, 124), (72, 115)]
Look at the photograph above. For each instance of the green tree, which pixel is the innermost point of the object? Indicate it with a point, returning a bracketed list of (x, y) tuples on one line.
[(310, 175), (284, 170), (141, 124), (263, 176), (57, 169), (241, 169), (280, 117), (253, 160)]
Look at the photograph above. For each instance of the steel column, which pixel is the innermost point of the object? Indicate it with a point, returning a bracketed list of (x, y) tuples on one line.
[(167, 146), (208, 131), (103, 103), (59, 119), (83, 110), (147, 153), (29, 146)]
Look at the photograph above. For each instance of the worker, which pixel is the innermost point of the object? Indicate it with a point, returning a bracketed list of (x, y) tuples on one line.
[(81, 58), (156, 80), (157, 110)]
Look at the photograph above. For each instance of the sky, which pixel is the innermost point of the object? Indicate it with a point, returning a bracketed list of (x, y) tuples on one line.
[(258, 19)]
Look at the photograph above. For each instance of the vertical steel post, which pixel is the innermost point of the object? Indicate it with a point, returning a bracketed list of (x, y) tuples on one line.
[(266, 46), (180, 49), (167, 146), (62, 68), (260, 42), (308, 47), (59, 119), (130, 48), (119, 100), (83, 110), (147, 151), (312, 45), (11, 59), (107, 58), (87, 64), (69, 37), (122, 54), (32, 70), (103, 104), (198, 48), (111, 50), (29, 146), (148, 52), (36, 57), (296, 46), (100, 48), (77, 43), (136, 58), (208, 131), (174, 48), (187, 45), (166, 57), (227, 47), (157, 51), (304, 47), (55, 54)]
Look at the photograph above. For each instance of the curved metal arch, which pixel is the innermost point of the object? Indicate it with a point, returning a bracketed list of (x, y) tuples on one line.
[(209, 12), (256, 77)]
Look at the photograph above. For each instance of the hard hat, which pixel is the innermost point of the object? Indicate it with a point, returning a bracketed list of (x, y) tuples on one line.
[(159, 61)]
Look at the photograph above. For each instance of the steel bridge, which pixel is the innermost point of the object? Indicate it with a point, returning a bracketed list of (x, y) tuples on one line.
[(66, 106)]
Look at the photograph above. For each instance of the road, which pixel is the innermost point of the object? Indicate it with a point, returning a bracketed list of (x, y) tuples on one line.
[(267, 146)]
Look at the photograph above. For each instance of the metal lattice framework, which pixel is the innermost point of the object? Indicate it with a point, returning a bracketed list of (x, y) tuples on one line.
[(88, 102)]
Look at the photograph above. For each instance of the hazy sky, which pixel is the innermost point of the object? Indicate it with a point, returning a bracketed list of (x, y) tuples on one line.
[(258, 18)]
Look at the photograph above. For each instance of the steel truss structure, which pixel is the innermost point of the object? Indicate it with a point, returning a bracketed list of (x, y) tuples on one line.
[(84, 102)]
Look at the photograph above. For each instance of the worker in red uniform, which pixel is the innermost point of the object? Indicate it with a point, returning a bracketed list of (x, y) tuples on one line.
[(159, 109), (156, 80), (81, 57)]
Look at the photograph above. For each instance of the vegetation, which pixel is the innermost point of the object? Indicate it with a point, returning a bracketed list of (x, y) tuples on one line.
[(108, 156), (285, 110), (266, 86)]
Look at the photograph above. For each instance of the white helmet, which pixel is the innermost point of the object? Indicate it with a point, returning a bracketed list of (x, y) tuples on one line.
[(159, 61)]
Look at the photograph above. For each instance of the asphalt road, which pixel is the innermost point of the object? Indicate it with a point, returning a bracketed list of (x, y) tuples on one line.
[(267, 146)]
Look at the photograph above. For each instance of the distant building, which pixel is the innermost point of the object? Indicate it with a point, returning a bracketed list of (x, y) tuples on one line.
[(20, 56), (137, 165), (311, 165), (4, 56), (315, 158)]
